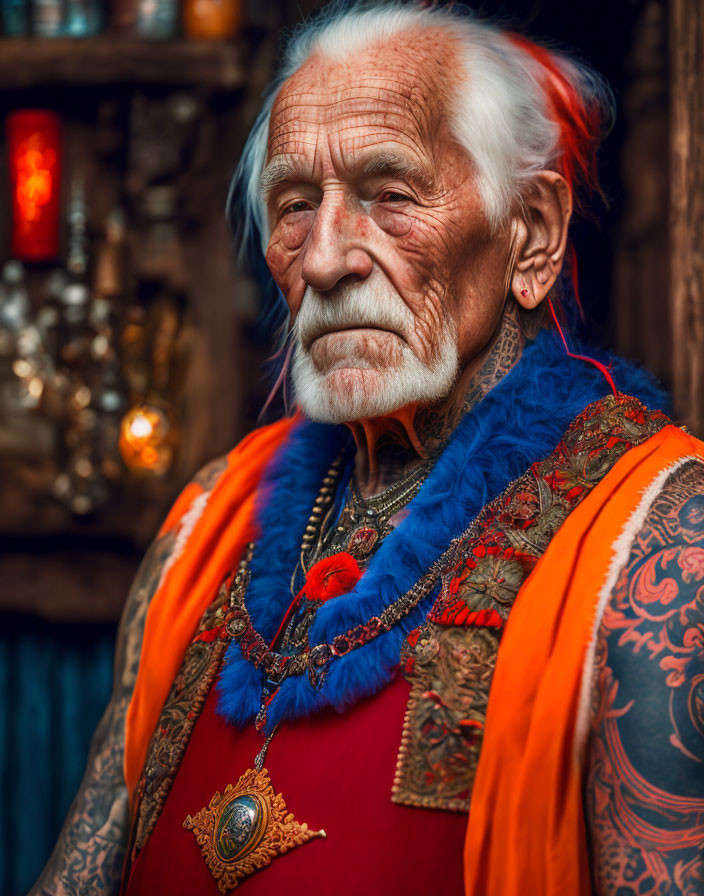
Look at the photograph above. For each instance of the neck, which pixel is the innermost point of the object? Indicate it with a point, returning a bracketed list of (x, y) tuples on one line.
[(390, 447)]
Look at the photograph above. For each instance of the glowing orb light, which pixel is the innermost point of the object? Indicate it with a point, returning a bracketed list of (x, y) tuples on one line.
[(147, 440)]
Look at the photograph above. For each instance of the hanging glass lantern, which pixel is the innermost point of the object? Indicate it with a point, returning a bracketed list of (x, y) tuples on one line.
[(148, 438), (34, 153)]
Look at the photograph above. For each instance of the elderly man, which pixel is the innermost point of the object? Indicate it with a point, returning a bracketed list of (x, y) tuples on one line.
[(440, 631)]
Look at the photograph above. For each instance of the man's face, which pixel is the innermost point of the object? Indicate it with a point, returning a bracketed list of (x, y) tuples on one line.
[(379, 241)]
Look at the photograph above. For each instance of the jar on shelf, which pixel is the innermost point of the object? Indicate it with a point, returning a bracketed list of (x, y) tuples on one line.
[(212, 19), (157, 19), (47, 18), (15, 18), (84, 18)]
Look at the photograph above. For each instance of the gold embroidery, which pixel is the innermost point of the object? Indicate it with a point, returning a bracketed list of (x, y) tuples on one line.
[(245, 828), (449, 661), (444, 723)]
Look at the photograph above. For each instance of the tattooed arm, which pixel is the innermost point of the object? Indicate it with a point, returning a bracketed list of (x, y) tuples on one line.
[(645, 781), (88, 856)]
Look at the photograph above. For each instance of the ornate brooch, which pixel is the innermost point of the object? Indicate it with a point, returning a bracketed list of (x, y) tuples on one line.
[(245, 828)]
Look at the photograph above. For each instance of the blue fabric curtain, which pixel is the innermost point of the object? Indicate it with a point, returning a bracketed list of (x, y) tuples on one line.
[(55, 681)]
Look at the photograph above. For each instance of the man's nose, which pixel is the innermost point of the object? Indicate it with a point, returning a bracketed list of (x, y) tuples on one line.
[(334, 248)]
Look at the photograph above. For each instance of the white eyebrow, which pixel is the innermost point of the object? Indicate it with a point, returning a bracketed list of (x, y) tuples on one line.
[(391, 164), (279, 171), (284, 169)]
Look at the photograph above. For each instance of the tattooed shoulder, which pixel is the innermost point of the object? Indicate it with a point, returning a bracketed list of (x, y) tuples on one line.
[(89, 853), (211, 472), (644, 790)]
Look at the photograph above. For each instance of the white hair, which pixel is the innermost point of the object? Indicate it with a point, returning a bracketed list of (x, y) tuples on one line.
[(501, 113), (355, 387)]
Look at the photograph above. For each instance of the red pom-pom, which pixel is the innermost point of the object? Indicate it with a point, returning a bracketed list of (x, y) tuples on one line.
[(332, 576)]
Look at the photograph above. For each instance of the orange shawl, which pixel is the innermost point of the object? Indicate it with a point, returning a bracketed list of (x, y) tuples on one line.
[(526, 830)]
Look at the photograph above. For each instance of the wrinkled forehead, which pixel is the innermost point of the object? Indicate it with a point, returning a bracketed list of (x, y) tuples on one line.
[(399, 91)]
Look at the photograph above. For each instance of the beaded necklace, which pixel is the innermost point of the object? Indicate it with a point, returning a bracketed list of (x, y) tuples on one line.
[(363, 522), (279, 665)]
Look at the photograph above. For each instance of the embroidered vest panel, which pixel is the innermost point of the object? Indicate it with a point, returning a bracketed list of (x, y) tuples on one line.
[(183, 705), (448, 661)]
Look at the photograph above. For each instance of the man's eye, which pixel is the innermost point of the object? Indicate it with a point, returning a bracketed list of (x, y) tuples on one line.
[(299, 206), (391, 196)]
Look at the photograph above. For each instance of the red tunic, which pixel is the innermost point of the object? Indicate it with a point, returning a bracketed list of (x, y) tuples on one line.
[(335, 772)]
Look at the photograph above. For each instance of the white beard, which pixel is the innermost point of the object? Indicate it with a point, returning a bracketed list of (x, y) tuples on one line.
[(354, 388)]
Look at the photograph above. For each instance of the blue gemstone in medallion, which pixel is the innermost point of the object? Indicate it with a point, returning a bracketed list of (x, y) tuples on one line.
[(239, 827)]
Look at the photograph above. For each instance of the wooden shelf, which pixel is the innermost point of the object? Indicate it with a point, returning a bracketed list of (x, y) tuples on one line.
[(108, 59), (51, 564), (70, 584)]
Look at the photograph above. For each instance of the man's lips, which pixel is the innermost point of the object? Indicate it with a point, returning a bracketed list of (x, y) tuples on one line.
[(351, 329)]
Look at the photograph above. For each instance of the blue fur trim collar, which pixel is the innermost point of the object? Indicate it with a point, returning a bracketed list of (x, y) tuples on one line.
[(520, 421)]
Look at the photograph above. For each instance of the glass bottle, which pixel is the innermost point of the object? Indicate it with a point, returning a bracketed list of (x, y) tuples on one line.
[(157, 19), (83, 18), (15, 19), (77, 218), (48, 18), (212, 19)]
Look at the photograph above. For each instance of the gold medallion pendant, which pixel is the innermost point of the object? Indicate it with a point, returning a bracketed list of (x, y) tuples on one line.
[(245, 829)]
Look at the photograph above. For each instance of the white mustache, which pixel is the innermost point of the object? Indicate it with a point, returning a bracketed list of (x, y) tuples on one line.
[(367, 304)]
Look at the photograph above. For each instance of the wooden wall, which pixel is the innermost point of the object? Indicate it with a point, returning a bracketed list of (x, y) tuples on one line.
[(658, 294), (687, 209)]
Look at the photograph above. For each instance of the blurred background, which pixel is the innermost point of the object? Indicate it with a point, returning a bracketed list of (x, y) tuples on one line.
[(130, 352)]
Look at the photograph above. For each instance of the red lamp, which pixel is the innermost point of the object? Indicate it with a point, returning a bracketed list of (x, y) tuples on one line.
[(34, 154)]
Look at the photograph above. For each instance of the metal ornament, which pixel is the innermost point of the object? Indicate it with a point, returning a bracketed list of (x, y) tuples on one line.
[(245, 828)]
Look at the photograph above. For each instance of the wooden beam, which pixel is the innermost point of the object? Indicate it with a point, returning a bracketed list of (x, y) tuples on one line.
[(67, 585), (31, 62), (687, 209), (641, 251)]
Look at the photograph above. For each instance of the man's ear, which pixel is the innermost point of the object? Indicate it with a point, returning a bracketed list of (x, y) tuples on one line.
[(541, 238)]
